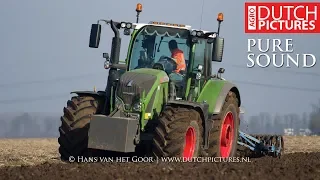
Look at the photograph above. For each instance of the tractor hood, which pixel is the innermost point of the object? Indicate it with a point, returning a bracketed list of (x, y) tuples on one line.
[(139, 83)]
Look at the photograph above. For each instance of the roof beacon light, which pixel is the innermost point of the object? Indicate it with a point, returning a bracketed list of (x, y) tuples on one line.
[(139, 7), (220, 17), (139, 10)]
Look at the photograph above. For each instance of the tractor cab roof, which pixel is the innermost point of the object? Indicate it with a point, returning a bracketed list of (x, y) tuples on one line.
[(161, 24), (169, 25)]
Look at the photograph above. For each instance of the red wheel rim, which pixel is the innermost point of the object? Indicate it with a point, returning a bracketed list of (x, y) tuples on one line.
[(227, 135), (190, 143)]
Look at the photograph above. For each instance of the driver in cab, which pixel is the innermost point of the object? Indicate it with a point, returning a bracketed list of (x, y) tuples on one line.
[(177, 56)]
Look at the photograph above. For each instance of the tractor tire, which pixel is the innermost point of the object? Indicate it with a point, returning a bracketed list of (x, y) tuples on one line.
[(224, 133), (179, 133), (74, 128)]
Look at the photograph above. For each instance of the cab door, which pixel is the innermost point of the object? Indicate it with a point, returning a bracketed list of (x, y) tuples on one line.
[(199, 57)]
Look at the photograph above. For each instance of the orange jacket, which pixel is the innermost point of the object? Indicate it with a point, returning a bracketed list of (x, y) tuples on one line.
[(178, 55)]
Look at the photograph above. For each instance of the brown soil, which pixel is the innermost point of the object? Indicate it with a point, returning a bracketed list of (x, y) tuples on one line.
[(37, 159)]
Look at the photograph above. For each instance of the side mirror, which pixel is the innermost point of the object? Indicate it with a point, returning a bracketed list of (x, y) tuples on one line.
[(95, 35), (217, 50)]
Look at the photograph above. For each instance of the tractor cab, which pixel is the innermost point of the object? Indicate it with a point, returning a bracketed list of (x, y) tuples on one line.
[(151, 47), (155, 46)]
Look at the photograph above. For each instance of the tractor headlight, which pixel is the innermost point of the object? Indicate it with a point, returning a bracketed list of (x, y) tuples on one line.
[(123, 25), (137, 106), (199, 33), (194, 33), (129, 25), (126, 25)]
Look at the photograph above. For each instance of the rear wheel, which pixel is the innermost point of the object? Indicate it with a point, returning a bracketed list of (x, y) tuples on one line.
[(74, 128), (224, 134), (178, 133)]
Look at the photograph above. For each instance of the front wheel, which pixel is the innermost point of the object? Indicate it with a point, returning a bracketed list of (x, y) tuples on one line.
[(74, 128), (224, 134), (178, 133)]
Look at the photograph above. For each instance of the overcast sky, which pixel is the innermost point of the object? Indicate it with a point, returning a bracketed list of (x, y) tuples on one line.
[(44, 52)]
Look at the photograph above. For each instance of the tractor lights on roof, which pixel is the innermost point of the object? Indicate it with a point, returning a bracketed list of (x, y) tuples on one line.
[(129, 25), (197, 33), (126, 25)]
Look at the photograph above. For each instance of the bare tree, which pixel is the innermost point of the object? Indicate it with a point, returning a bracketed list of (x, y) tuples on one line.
[(314, 124)]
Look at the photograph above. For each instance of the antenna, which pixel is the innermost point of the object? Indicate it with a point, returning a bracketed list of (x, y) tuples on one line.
[(201, 13)]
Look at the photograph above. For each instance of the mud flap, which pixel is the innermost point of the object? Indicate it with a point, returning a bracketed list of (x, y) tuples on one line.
[(112, 133)]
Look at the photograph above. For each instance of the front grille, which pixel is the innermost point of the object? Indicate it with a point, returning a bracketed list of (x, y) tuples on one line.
[(139, 83)]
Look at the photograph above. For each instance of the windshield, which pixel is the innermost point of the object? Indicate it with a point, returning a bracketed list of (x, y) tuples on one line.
[(152, 42)]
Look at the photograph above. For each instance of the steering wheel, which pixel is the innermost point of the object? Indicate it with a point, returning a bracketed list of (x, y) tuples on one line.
[(166, 64), (169, 59)]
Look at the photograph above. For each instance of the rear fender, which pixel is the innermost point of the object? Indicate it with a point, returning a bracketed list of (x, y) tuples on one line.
[(215, 92), (227, 87)]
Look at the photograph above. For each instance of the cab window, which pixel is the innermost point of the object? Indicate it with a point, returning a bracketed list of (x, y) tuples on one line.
[(199, 55)]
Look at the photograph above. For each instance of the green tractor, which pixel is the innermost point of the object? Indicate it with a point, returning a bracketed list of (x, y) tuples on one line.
[(149, 108)]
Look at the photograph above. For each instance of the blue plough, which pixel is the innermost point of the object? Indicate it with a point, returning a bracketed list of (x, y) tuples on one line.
[(262, 145)]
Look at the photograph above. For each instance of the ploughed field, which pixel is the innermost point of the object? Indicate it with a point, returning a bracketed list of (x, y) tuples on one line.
[(38, 159)]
